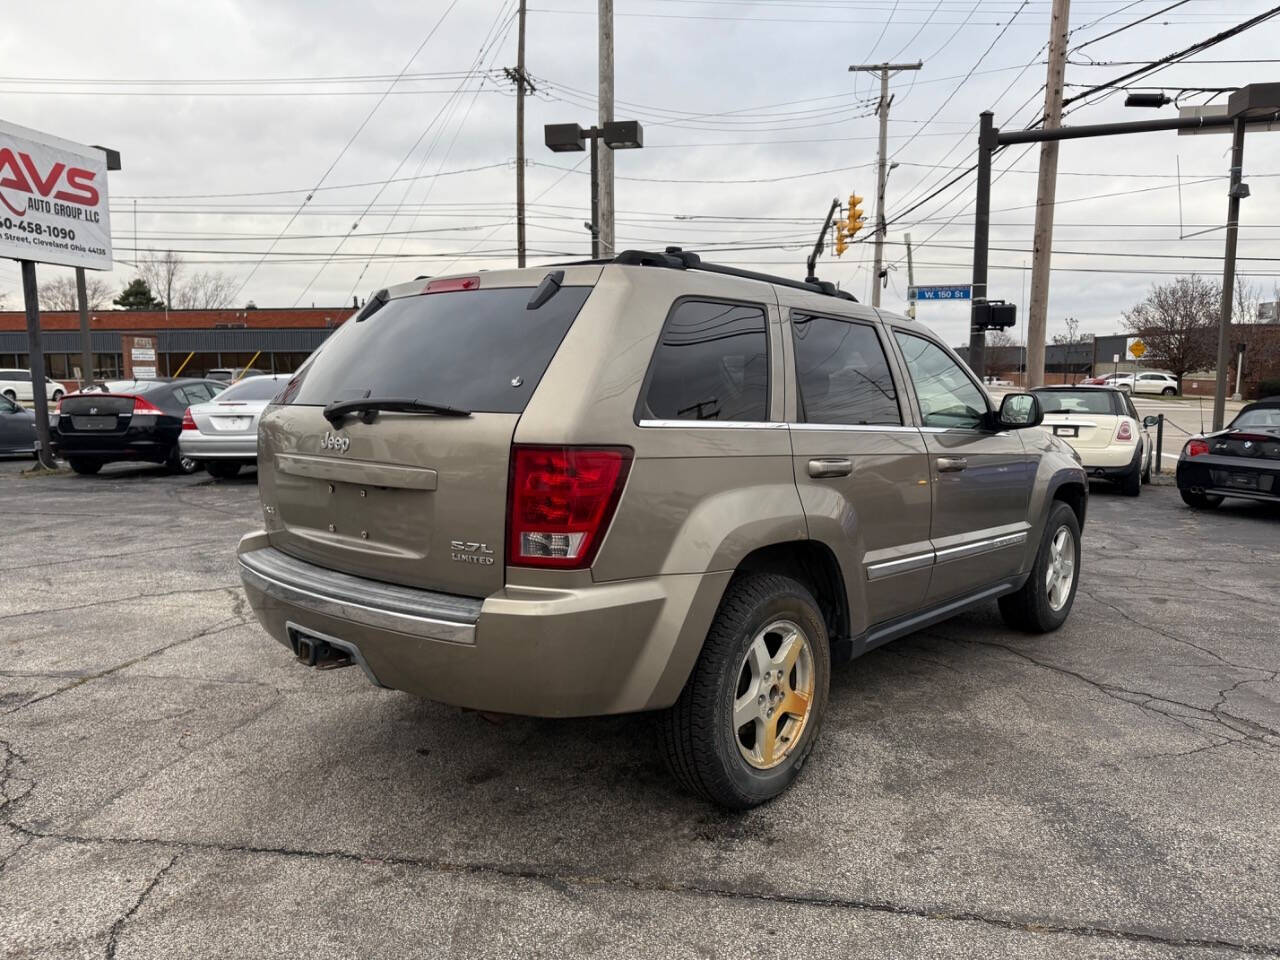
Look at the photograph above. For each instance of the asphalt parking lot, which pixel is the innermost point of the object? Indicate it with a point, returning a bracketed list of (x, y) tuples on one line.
[(172, 785)]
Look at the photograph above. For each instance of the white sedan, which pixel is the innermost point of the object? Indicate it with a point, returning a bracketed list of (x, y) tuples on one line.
[(1102, 426), (222, 435)]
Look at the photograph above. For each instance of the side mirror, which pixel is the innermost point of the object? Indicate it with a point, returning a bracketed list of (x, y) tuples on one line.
[(1019, 411), (1151, 421)]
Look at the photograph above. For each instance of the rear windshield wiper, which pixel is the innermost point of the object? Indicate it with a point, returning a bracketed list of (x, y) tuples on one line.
[(338, 409)]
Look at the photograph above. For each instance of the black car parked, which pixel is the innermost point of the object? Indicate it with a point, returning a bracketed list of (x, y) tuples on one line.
[(17, 428), (142, 423), (1241, 461)]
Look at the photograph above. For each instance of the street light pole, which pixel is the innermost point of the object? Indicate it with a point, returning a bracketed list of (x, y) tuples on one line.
[(617, 135), (595, 197)]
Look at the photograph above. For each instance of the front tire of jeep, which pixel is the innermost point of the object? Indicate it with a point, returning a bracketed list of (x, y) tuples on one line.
[(752, 708), (1042, 604)]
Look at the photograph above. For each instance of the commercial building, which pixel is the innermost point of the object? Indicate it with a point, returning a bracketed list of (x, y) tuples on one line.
[(193, 341)]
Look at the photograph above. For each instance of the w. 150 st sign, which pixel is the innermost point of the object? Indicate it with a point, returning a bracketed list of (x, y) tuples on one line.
[(53, 200), (954, 292)]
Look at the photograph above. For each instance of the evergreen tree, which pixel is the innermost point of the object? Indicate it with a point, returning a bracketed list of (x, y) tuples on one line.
[(137, 296)]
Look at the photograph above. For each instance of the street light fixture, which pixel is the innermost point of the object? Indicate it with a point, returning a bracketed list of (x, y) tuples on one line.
[(570, 138), (1147, 100)]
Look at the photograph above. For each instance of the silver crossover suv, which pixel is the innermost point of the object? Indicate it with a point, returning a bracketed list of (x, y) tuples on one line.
[(651, 483)]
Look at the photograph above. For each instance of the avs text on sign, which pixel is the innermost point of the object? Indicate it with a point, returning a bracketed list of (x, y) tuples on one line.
[(955, 292), (53, 200)]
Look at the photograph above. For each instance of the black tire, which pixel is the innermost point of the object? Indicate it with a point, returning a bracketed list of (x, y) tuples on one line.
[(81, 465), (1131, 482), (1168, 392), (1029, 608), (179, 464), (1200, 501), (222, 469), (57, 395), (1146, 468), (702, 748), (11, 395)]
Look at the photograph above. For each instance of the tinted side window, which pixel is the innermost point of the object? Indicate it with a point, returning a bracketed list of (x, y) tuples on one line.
[(948, 398), (712, 363), (842, 372)]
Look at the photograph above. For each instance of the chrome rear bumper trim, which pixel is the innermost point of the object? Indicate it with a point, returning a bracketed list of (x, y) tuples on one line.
[(418, 613)]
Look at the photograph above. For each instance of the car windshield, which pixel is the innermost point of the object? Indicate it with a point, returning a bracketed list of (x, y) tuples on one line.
[(1075, 401), (254, 388), (1258, 417)]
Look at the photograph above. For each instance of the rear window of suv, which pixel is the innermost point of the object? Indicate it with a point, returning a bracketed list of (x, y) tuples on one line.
[(482, 350)]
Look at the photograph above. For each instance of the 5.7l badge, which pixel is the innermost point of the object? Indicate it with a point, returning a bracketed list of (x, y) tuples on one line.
[(462, 551)]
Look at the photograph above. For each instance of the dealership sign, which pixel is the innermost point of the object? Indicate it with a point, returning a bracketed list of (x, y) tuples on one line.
[(53, 200)]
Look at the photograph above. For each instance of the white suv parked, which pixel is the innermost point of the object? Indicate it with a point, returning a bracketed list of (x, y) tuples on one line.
[(16, 385), (1165, 384)]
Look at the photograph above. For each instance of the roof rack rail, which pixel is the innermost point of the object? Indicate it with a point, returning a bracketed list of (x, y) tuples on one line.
[(675, 258)]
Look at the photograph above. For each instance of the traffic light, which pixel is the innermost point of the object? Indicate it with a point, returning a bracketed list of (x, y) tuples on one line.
[(841, 238), (856, 220)]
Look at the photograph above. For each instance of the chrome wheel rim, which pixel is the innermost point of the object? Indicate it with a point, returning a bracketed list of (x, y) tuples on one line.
[(774, 694), (187, 465), (1062, 568)]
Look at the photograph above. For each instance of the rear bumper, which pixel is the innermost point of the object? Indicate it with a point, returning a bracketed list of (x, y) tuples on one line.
[(1111, 461), (133, 444), (1222, 476), (202, 446), (605, 648)]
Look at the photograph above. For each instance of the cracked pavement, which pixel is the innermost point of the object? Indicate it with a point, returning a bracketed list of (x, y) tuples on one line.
[(172, 785)]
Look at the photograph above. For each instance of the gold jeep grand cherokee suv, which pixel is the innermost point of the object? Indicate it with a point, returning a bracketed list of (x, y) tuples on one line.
[(651, 483)]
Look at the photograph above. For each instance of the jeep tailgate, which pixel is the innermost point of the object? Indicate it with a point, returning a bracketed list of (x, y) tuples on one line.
[(413, 498)]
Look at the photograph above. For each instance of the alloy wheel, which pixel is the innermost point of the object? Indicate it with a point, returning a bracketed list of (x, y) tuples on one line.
[(774, 694), (1061, 573)]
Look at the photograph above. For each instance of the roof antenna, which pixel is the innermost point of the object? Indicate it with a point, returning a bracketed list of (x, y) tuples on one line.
[(812, 277)]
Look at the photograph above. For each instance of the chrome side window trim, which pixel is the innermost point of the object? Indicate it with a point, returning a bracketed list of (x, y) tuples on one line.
[(854, 427), (704, 424)]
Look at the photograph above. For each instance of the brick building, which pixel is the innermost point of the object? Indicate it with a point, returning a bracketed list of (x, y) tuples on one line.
[(280, 339)]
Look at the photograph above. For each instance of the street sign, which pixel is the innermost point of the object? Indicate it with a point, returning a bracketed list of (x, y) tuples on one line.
[(53, 200), (1137, 348), (961, 291), (1216, 110)]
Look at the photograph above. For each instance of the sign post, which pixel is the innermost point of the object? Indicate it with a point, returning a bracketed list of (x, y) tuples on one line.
[(53, 209)]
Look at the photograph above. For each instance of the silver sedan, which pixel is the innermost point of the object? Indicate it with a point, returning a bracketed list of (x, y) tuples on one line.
[(222, 435)]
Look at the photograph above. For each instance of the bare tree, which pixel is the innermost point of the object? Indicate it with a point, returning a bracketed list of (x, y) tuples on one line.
[(1073, 332), (999, 338), (212, 290), (60, 294), (167, 275), (1176, 322), (162, 272), (1248, 299)]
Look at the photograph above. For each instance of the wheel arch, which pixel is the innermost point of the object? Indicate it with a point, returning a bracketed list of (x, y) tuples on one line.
[(814, 564)]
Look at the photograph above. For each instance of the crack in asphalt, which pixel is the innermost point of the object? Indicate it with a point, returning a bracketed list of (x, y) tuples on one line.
[(1012, 922), (1250, 733), (220, 627), (113, 938), (115, 600)]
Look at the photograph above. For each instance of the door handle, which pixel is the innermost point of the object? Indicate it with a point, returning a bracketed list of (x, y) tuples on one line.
[(951, 464), (831, 467)]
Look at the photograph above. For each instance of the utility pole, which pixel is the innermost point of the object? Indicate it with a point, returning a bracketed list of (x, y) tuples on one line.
[(882, 111), (1046, 194), (86, 337), (1236, 191), (987, 142), (911, 281), (523, 85), (605, 99)]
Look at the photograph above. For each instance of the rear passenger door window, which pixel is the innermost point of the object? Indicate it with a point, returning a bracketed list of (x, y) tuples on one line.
[(712, 363), (842, 373), (947, 397)]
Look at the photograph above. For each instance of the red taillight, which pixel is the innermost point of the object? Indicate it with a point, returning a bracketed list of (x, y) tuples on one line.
[(188, 421), (449, 284), (146, 408), (560, 503), (1124, 431), (1197, 448)]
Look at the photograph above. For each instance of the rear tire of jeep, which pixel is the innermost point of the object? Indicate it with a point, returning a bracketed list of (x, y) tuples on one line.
[(752, 708), (1044, 601)]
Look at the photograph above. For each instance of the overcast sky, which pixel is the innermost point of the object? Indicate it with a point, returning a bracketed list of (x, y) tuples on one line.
[(228, 112)]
